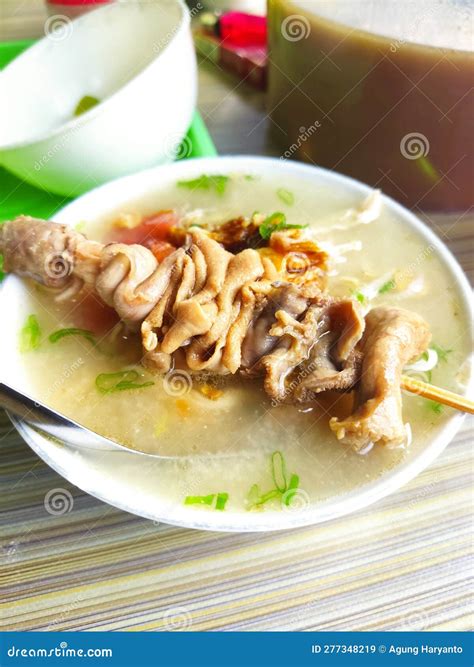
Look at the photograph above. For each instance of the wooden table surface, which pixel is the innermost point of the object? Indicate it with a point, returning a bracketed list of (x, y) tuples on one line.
[(403, 564)]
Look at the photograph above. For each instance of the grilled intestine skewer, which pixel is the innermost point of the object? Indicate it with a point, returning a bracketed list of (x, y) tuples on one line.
[(210, 310)]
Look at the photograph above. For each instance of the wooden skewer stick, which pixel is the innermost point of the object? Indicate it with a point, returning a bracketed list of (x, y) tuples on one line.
[(437, 394)]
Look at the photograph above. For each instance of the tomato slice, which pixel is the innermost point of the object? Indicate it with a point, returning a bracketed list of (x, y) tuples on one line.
[(153, 228), (161, 249), (94, 315)]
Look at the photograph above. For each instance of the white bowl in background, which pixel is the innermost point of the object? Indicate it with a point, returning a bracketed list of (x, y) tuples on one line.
[(130, 481), (137, 58)]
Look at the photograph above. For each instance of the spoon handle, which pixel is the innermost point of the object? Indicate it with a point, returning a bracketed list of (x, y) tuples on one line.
[(54, 423)]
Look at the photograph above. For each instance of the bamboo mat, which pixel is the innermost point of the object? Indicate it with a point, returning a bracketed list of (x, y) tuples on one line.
[(403, 564)]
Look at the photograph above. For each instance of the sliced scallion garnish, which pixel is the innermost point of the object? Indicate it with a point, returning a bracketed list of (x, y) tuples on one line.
[(71, 331), (108, 383), (200, 500), (221, 501), (215, 182), (437, 408), (278, 467), (283, 489), (30, 334), (441, 352), (85, 103), (276, 222), (293, 484), (387, 287), (286, 196), (220, 498)]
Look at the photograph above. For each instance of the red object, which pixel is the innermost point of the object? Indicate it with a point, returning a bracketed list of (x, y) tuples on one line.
[(249, 63), (152, 233), (94, 315), (242, 29)]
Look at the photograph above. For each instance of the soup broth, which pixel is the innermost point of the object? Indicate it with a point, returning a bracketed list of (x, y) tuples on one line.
[(225, 430)]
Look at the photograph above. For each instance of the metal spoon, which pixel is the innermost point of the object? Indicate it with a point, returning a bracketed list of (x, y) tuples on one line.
[(50, 422)]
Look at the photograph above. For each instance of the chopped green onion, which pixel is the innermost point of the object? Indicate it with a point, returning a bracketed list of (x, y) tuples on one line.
[(276, 222), (1, 268), (437, 408), (269, 495), (278, 468), (286, 196), (360, 297), (30, 334), (200, 500), (221, 501), (107, 383), (86, 103), (206, 182), (256, 499), (72, 331), (387, 287), (283, 490), (253, 495), (427, 168), (250, 177), (291, 490), (441, 352)]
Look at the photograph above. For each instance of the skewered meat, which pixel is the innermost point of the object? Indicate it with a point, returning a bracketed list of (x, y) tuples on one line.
[(392, 337), (221, 312)]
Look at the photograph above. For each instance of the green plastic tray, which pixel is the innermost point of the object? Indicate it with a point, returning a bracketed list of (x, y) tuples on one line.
[(18, 197)]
